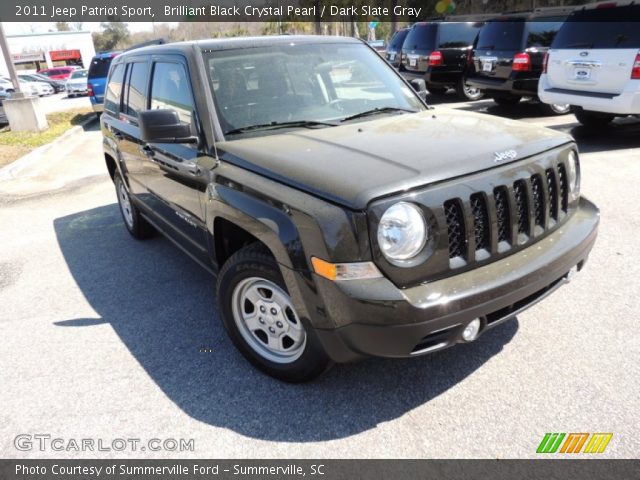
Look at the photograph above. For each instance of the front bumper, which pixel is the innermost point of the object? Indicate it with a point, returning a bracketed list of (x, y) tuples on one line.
[(513, 85), (625, 103), (375, 318)]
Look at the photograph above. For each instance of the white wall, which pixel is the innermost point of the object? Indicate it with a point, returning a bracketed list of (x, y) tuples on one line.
[(48, 42)]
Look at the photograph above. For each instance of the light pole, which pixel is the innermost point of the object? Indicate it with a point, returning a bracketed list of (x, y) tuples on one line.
[(9, 62)]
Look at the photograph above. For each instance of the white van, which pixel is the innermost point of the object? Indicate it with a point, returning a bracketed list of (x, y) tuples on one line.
[(594, 63)]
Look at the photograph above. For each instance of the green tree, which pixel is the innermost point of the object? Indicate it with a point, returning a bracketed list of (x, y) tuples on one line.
[(113, 34), (63, 26)]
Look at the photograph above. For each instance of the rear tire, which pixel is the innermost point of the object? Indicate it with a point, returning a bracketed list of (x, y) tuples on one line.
[(466, 92), (507, 101), (433, 90), (593, 119), (136, 225), (260, 319)]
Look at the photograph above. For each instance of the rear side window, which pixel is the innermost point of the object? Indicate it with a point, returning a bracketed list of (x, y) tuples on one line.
[(398, 40), (99, 67), (170, 88), (457, 35), (601, 28), (542, 32), (421, 37), (135, 89), (113, 90), (501, 35)]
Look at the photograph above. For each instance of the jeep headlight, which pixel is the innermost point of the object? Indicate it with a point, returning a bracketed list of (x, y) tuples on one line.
[(402, 232), (573, 175)]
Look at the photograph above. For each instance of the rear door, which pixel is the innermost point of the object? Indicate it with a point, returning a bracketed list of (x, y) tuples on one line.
[(595, 51), (498, 42)]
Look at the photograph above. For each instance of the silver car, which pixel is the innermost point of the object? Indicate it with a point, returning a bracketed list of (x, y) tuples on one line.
[(77, 83)]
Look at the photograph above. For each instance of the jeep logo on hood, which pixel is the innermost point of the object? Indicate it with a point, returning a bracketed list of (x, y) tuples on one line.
[(506, 155)]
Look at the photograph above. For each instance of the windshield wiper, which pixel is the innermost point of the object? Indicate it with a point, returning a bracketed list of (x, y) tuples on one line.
[(276, 125), (377, 110)]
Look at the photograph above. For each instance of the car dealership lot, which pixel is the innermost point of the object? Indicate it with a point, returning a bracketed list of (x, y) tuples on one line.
[(108, 338)]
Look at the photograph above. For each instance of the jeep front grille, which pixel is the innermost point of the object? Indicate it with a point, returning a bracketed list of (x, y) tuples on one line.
[(507, 216)]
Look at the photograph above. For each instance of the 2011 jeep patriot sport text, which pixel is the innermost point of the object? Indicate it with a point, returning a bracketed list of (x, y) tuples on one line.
[(342, 217)]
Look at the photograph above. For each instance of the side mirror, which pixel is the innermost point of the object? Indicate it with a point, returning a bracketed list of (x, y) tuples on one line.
[(164, 126), (420, 86)]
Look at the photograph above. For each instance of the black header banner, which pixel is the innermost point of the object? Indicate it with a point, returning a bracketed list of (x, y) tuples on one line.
[(247, 10)]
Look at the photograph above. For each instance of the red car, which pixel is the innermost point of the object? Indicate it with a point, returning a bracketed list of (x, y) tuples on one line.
[(58, 73)]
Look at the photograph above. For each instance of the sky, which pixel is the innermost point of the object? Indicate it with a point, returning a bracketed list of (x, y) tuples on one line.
[(17, 28)]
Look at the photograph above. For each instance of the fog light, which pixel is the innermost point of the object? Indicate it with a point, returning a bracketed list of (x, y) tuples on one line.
[(471, 331)]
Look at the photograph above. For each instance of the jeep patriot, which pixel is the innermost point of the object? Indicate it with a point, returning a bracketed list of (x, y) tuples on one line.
[(340, 215)]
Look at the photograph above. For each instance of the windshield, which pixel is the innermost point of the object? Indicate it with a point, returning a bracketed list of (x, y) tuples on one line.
[(501, 35), (320, 84), (79, 74), (601, 28)]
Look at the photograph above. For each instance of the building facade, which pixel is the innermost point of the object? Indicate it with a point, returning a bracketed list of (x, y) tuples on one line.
[(36, 51)]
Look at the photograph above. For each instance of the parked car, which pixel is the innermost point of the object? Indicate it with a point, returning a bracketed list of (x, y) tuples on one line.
[(449, 63), (394, 49), (4, 94), (58, 73), (58, 85), (97, 77), (594, 63), (341, 219), (77, 83), (509, 53), (43, 89), (28, 88)]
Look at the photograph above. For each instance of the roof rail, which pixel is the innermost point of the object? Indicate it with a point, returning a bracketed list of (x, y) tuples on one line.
[(157, 41)]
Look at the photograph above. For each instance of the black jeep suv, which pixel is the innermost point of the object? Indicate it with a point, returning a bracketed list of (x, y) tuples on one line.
[(338, 213), (441, 51), (509, 52)]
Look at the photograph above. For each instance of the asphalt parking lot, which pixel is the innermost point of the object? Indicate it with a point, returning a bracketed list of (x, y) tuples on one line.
[(105, 337)]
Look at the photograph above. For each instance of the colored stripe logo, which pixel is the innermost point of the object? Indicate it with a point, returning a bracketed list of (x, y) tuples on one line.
[(574, 443)]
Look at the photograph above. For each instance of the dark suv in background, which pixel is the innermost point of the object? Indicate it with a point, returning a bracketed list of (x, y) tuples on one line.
[(509, 54), (440, 51), (394, 49)]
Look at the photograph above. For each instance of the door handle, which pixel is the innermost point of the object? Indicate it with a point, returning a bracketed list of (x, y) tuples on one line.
[(146, 150)]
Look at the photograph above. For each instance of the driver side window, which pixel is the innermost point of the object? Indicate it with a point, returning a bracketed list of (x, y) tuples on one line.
[(170, 88)]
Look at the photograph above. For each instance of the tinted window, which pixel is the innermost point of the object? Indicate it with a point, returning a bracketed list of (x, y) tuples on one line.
[(542, 32), (601, 28), (421, 37), (136, 88), (170, 89), (501, 35), (457, 35), (99, 67), (398, 39), (113, 90)]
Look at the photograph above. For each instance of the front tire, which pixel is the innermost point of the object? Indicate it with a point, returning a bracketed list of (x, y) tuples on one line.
[(136, 224), (260, 318), (555, 109)]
